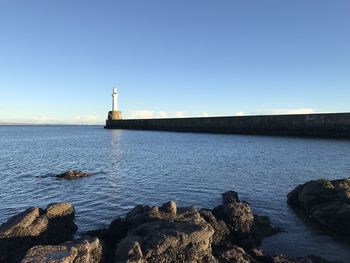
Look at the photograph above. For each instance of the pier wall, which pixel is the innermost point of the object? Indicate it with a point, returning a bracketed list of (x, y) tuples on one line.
[(333, 125)]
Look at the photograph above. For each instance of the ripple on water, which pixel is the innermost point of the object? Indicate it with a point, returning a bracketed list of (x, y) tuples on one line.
[(138, 167)]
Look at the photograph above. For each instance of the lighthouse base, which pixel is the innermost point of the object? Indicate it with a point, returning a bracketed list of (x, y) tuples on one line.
[(114, 115)]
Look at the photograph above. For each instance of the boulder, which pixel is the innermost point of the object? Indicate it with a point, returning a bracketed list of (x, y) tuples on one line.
[(235, 254), (246, 229), (326, 202), (73, 174), (81, 251), (33, 227), (221, 231), (230, 197), (166, 237)]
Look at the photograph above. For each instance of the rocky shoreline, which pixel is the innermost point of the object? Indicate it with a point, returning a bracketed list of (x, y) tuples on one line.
[(228, 233)]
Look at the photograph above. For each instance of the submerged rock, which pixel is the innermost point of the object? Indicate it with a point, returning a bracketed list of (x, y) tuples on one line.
[(326, 202), (73, 174), (35, 226)]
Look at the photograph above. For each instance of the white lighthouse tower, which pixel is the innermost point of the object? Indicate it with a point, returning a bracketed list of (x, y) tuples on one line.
[(115, 114), (115, 99)]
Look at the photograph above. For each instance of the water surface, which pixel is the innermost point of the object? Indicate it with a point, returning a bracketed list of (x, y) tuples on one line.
[(149, 167)]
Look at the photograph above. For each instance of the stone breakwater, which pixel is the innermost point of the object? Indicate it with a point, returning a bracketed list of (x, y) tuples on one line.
[(230, 232), (331, 125)]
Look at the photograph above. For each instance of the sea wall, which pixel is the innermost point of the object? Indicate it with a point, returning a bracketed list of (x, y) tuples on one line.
[(332, 125)]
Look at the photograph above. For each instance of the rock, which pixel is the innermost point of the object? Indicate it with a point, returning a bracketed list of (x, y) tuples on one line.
[(54, 254), (60, 210), (165, 237), (61, 222), (169, 207), (81, 251), (230, 197), (33, 227), (221, 231), (73, 174), (246, 229), (27, 223), (235, 254), (325, 202)]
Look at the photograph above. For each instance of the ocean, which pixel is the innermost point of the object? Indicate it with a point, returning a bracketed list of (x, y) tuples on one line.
[(150, 167)]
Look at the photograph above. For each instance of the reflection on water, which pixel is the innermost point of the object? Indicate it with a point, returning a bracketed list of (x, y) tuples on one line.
[(140, 167)]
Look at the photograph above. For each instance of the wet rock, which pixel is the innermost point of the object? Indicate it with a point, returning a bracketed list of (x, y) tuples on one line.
[(169, 207), (221, 231), (245, 228), (73, 174), (60, 210), (61, 222), (166, 237), (33, 227), (235, 254), (230, 197), (326, 202), (82, 251)]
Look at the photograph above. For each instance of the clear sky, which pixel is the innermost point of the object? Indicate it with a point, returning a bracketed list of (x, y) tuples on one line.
[(60, 59)]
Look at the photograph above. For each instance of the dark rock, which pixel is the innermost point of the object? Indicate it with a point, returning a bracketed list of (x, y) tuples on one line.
[(61, 222), (82, 251), (221, 231), (246, 229), (325, 202), (309, 259), (230, 197), (169, 207), (235, 254), (33, 227), (73, 174)]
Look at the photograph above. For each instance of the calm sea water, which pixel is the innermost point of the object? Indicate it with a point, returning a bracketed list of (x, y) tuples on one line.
[(146, 167)]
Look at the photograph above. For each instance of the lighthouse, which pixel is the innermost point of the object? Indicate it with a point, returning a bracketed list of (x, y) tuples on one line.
[(114, 114), (114, 99)]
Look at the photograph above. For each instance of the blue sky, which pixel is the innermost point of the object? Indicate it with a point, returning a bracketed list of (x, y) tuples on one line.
[(60, 59)]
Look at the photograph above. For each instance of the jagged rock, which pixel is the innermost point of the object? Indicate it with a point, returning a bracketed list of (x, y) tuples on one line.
[(235, 254), (50, 253), (166, 237), (169, 207), (221, 231), (60, 210), (83, 251), (326, 202), (246, 229), (61, 221), (33, 227), (230, 197), (73, 174)]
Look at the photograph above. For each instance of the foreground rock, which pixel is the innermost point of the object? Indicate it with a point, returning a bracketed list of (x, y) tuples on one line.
[(82, 251), (73, 174), (326, 202), (35, 226), (228, 233)]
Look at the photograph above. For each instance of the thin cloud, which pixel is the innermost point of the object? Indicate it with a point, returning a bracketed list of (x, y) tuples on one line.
[(74, 120), (204, 114), (286, 111), (149, 114)]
